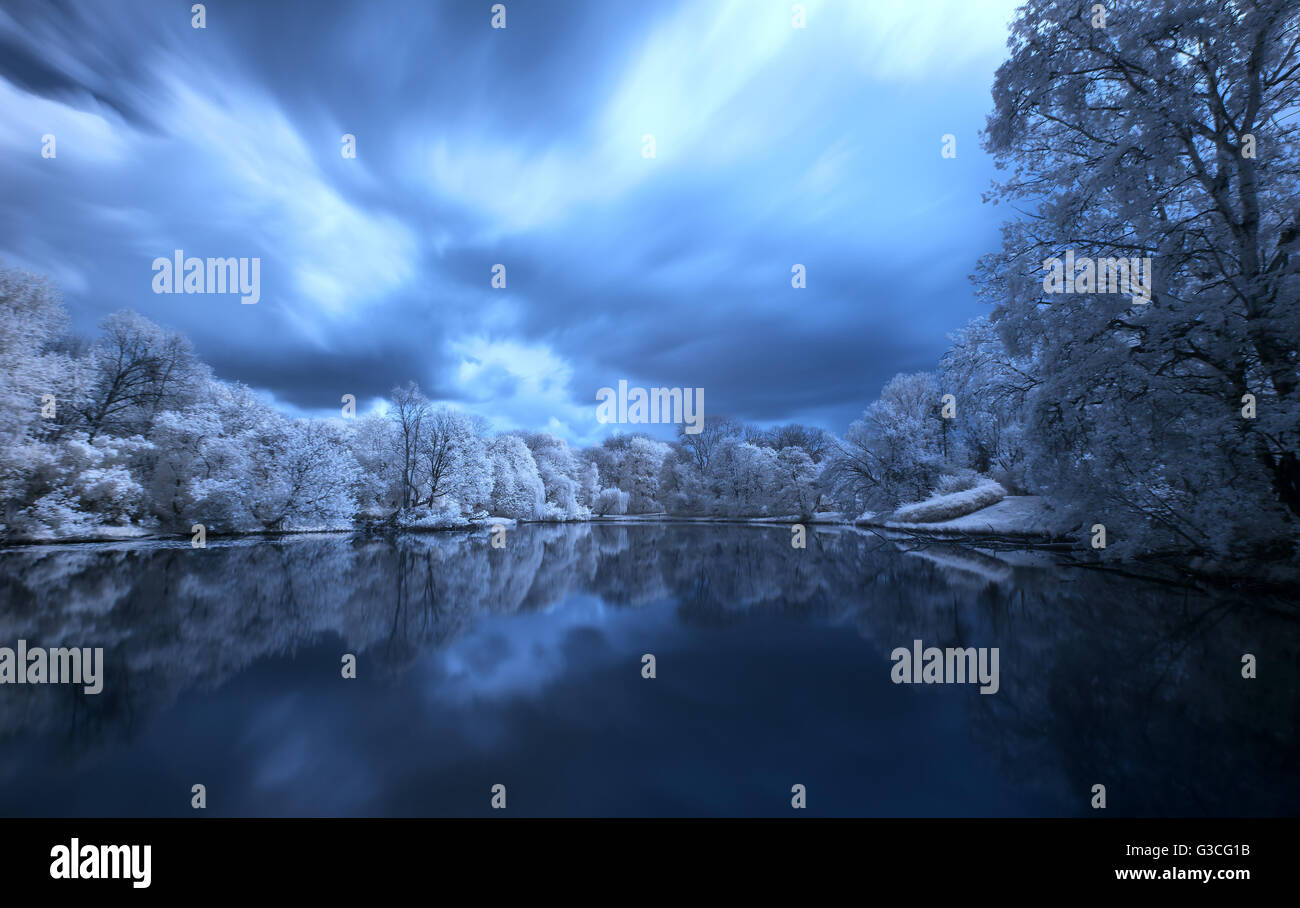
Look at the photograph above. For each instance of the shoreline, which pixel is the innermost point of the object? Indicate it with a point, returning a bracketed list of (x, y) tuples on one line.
[(902, 531), (1168, 567)]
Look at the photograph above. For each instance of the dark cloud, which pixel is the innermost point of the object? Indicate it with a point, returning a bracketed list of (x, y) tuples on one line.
[(521, 147)]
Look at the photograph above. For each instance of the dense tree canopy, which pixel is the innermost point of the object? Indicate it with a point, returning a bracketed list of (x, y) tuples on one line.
[(1170, 134)]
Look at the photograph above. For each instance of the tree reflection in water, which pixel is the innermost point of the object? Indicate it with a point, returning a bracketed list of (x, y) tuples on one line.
[(1103, 678)]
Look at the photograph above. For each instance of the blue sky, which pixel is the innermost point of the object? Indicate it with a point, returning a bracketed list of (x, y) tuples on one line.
[(521, 146)]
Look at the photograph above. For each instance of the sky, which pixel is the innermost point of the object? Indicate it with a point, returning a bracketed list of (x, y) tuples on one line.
[(523, 146)]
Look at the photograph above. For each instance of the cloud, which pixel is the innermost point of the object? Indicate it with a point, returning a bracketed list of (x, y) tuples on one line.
[(82, 137), (520, 386), (260, 172), (774, 146)]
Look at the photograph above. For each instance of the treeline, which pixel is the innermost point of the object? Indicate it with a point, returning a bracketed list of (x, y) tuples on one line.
[(130, 432)]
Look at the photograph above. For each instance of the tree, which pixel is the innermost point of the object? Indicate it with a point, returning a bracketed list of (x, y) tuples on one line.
[(588, 480), (893, 454), (991, 386), (561, 473), (714, 431), (376, 446), (31, 320), (516, 486), (795, 483), (303, 477), (815, 442), (1172, 138), (741, 478), (139, 369), (611, 501), (681, 484), (408, 410), (452, 460), (182, 439), (638, 473)]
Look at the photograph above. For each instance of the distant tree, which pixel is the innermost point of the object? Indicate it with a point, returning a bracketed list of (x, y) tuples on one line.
[(196, 445), (516, 485), (451, 459), (561, 473), (681, 484), (32, 319), (376, 446), (713, 432), (814, 442), (794, 482), (638, 473), (139, 369), (893, 454), (611, 501), (991, 387), (408, 410), (588, 481), (741, 478), (301, 476)]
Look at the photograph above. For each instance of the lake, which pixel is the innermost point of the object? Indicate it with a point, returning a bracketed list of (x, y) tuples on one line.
[(523, 666)]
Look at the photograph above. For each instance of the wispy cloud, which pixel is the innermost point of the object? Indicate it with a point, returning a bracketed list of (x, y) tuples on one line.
[(774, 145)]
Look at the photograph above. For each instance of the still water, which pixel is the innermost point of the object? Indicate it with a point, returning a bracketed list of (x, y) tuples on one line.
[(522, 666)]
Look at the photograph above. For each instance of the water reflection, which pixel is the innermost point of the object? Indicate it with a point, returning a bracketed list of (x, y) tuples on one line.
[(526, 661)]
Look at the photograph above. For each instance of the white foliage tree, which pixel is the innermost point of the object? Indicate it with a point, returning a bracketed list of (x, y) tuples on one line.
[(452, 462), (741, 478), (562, 475), (1171, 138), (32, 318), (795, 482), (637, 473), (894, 453), (516, 486), (376, 447)]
